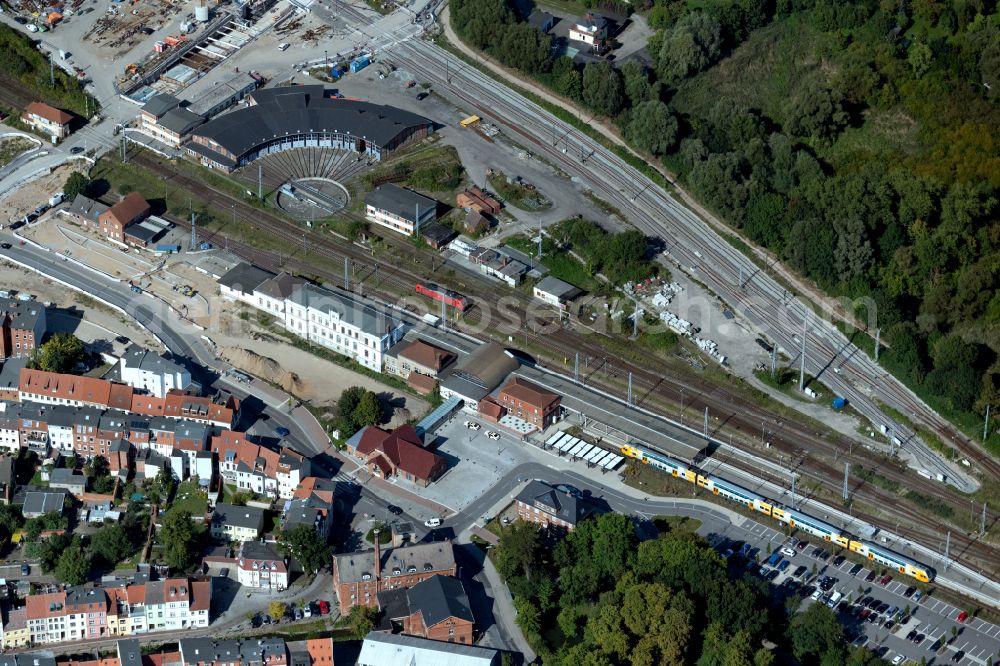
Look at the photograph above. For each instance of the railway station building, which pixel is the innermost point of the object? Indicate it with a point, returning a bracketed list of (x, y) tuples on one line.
[(278, 119)]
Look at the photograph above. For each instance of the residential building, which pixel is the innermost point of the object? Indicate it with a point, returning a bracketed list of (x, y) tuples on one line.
[(8, 482), (174, 603), (554, 291), (86, 613), (272, 295), (15, 631), (252, 652), (543, 505), (22, 326), (84, 211), (146, 370), (37, 504), (46, 617), (359, 577), (311, 504), (260, 566), (240, 282), (73, 482), (57, 389), (222, 410), (48, 119), (132, 208), (236, 523), (592, 30), (252, 467), (475, 199), (475, 222), (417, 356), (399, 209), (529, 402), (399, 453), (437, 608), (381, 649)]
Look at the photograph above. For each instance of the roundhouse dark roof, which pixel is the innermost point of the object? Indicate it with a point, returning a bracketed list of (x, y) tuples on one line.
[(299, 111)]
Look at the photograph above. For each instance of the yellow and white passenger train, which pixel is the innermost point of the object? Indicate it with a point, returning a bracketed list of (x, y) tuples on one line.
[(791, 517)]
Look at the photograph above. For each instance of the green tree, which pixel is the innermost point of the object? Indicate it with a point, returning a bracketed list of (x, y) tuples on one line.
[(361, 620), (368, 412), (694, 43), (518, 550), (111, 544), (11, 520), (277, 609), (73, 566), (602, 88), (920, 58), (651, 127), (815, 633), (60, 353), (51, 549), (166, 483), (528, 617), (180, 540), (304, 543), (815, 111), (77, 183)]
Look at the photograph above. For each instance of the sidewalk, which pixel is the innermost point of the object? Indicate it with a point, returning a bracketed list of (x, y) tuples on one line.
[(503, 610)]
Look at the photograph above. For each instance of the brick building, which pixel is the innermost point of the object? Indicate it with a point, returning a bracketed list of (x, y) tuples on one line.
[(543, 505), (112, 222), (529, 402), (399, 453), (22, 326), (359, 577), (437, 608)]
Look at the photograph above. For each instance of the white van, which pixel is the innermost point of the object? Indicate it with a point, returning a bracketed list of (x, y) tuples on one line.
[(283, 46), (433, 522)]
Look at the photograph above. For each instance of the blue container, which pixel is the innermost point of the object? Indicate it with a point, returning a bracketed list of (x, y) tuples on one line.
[(359, 64), (168, 248), (335, 73), (839, 403)]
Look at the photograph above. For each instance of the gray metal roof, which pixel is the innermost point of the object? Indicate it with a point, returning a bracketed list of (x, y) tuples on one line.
[(372, 320), (23, 315), (41, 503), (160, 104), (425, 557), (180, 121), (10, 372), (129, 652), (87, 208), (150, 361), (438, 598), (238, 516), (245, 277), (281, 112), (61, 416), (553, 285), (67, 476), (400, 201), (561, 505)]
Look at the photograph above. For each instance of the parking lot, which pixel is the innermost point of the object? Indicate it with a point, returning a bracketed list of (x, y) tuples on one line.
[(476, 462), (885, 613)]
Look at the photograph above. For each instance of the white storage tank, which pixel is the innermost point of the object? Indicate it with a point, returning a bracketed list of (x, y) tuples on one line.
[(201, 12)]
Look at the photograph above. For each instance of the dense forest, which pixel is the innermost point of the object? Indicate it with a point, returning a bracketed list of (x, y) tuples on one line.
[(600, 597), (859, 141)]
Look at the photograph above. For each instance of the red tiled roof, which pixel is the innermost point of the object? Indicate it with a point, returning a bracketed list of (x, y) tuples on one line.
[(402, 447), (201, 595), (120, 397), (70, 387), (421, 383), (528, 393), (426, 355), (132, 207), (40, 606), (50, 113), (490, 407), (320, 651)]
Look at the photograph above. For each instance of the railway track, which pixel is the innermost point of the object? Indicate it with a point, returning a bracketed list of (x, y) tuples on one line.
[(655, 384), (631, 191)]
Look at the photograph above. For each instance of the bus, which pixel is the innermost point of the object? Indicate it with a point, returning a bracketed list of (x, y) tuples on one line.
[(470, 121)]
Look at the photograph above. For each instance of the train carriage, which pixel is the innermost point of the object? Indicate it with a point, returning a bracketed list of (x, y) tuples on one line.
[(438, 293)]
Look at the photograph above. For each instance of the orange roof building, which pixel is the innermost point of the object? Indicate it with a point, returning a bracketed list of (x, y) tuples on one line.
[(48, 119)]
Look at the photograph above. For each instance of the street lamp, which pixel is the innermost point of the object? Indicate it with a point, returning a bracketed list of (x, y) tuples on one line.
[(326, 58)]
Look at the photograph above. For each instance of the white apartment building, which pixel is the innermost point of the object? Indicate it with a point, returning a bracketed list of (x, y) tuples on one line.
[(356, 330), (146, 370), (399, 209), (260, 566)]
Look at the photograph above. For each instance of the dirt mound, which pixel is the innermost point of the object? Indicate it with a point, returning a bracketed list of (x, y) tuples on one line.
[(266, 368)]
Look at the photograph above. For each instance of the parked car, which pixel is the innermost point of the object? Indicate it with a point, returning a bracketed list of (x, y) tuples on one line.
[(76, 150), (957, 657), (898, 659), (394, 510), (283, 46), (801, 545), (837, 561), (870, 577), (909, 592), (962, 617), (324, 607), (917, 595), (5, 246), (25, 570), (282, 431), (790, 552), (493, 434), (432, 522), (885, 580)]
